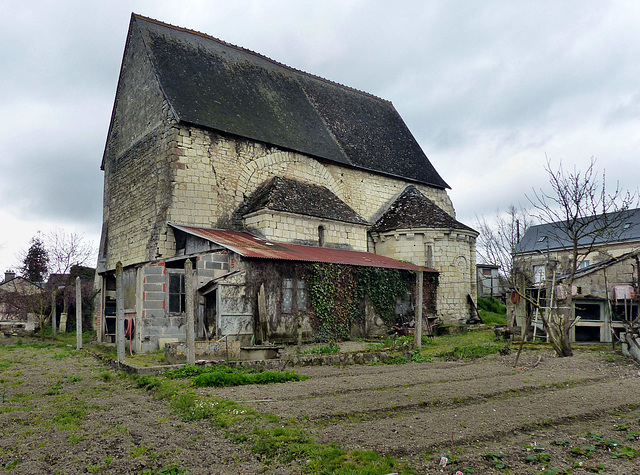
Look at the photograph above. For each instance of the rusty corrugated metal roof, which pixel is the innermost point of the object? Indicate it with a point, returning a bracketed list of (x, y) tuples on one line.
[(248, 245)]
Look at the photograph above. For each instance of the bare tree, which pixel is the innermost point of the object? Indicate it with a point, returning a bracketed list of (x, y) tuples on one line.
[(499, 237), (580, 213), (67, 250), (63, 252)]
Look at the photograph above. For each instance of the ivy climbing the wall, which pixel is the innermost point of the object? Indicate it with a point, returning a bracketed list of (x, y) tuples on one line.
[(333, 292), (337, 294), (384, 287)]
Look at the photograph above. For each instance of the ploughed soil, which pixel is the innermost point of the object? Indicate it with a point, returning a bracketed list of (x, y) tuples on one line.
[(64, 411)]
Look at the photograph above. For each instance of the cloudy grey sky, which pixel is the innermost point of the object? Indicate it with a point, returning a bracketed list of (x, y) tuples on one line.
[(487, 87)]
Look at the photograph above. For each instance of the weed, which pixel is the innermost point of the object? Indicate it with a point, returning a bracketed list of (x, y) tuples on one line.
[(61, 356), (329, 348), (108, 460), (140, 450), (469, 352), (56, 389), (171, 469), (395, 360), (75, 439), (70, 418), (11, 465), (628, 452), (562, 443), (620, 427), (496, 459), (416, 357), (75, 379), (226, 378), (147, 382), (106, 376), (538, 458), (585, 450)]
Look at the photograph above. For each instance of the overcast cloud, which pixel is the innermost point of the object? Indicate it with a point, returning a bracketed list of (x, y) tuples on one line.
[(488, 88)]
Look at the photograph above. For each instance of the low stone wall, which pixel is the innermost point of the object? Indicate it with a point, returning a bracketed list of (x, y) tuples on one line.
[(175, 353)]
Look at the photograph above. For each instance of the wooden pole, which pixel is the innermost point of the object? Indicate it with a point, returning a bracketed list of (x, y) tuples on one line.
[(190, 308), (54, 330), (418, 329), (78, 313), (119, 313)]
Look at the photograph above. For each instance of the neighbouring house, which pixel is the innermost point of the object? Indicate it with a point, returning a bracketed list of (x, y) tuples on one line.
[(262, 176), (16, 302), (489, 281), (605, 286)]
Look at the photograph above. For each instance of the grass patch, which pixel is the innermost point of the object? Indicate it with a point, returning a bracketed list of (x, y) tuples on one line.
[(221, 376), (238, 378), (469, 352), (491, 318), (323, 349), (71, 418)]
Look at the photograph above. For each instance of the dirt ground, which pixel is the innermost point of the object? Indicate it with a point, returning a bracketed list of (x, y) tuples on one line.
[(62, 411)]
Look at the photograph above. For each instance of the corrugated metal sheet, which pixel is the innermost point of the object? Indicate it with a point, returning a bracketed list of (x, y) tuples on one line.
[(248, 245)]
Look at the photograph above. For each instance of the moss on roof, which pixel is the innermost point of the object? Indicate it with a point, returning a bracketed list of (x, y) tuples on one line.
[(292, 196), (414, 210)]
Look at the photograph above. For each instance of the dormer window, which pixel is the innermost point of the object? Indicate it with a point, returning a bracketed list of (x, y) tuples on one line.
[(542, 238), (626, 226)]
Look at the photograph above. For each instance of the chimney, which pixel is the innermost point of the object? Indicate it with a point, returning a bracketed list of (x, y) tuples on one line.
[(9, 275)]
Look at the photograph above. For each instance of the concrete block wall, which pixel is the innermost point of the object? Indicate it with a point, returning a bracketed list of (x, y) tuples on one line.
[(155, 320), (211, 266), (292, 228)]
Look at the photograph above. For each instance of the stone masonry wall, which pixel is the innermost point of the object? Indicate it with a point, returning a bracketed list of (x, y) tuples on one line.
[(288, 227), (451, 252), (136, 164), (214, 174)]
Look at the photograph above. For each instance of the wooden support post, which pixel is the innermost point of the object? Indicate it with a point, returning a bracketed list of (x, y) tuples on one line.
[(54, 330), (119, 313), (190, 308), (418, 328), (78, 313)]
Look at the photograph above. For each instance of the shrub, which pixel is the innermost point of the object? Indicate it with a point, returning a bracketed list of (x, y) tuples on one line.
[(492, 305)]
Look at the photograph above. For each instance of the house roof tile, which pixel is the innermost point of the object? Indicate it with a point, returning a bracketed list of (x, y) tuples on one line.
[(285, 194), (414, 210)]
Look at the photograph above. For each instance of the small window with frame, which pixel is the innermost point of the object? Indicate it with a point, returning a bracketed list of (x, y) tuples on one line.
[(177, 297), (294, 295)]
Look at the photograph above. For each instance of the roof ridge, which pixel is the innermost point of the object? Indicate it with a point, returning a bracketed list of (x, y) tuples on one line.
[(240, 48)]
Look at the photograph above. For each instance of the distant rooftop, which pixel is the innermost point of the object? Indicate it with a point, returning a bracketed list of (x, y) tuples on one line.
[(543, 237)]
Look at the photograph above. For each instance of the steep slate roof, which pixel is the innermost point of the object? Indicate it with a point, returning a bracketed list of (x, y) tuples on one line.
[(284, 194), (220, 86), (414, 210), (545, 237)]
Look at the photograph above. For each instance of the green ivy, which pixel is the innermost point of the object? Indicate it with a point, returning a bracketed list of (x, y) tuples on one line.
[(384, 287), (337, 291), (333, 292)]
